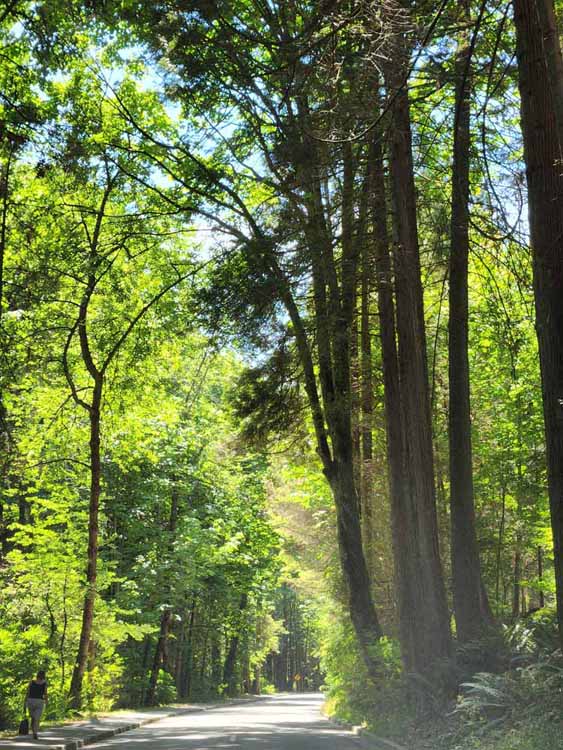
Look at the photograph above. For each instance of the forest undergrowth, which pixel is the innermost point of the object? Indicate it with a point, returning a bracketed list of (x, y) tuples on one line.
[(509, 693)]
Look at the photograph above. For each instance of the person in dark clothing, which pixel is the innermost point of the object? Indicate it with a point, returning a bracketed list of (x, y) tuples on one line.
[(35, 699)]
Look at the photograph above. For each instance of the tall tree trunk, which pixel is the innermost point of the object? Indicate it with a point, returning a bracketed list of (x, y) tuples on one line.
[(4, 426), (159, 657), (517, 575), (554, 62), (246, 686), (204, 653), (5, 196), (353, 562), (23, 510), (348, 238), (188, 660), (179, 653), (404, 574), (428, 614), (216, 671), (92, 567), (338, 467), (500, 543), (229, 668), (471, 610), (366, 401), (541, 595), (3, 536), (257, 681), (356, 406), (332, 417), (232, 652), (335, 323), (166, 617), (545, 205), (366, 362)]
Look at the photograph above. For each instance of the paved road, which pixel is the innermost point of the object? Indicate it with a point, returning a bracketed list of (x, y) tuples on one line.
[(280, 722)]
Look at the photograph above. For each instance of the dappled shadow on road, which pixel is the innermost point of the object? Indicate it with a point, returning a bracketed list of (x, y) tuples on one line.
[(277, 722), (281, 735), (284, 722)]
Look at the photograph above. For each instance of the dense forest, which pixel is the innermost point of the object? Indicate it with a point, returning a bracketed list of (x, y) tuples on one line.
[(281, 374)]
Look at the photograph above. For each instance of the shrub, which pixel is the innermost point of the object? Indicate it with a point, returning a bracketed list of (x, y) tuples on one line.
[(351, 696)]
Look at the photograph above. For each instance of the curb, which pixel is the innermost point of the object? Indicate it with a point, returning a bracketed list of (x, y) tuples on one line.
[(371, 741), (105, 734)]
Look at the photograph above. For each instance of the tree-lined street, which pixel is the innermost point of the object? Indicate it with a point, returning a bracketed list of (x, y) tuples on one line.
[(281, 366)]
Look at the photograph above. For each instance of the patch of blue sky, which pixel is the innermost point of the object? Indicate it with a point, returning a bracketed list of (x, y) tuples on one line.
[(17, 30)]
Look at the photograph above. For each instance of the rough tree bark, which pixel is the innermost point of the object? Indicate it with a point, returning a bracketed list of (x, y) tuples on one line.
[(545, 205), (338, 467), (516, 578), (5, 447), (93, 531), (541, 595), (185, 686), (331, 409), (232, 653), (93, 408), (216, 671), (469, 596), (554, 61), (367, 385), (404, 574), (427, 615), (160, 656), (365, 375), (160, 653)]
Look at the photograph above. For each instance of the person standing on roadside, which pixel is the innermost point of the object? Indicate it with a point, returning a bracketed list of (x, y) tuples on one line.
[(35, 699)]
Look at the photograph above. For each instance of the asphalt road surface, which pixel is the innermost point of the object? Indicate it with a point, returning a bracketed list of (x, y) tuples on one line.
[(279, 722)]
